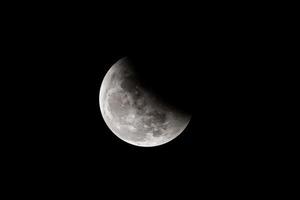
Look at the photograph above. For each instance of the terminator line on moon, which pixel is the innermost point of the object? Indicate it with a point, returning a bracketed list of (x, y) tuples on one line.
[(133, 113)]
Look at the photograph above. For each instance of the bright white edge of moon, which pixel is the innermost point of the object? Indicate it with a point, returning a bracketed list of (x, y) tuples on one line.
[(150, 140)]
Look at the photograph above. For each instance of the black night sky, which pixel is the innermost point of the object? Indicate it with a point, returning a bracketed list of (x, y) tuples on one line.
[(212, 70), (210, 85)]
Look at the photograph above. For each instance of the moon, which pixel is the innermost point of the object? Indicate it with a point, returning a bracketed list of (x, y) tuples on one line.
[(135, 114)]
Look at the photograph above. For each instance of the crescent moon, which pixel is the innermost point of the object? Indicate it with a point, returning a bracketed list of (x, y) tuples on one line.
[(134, 114)]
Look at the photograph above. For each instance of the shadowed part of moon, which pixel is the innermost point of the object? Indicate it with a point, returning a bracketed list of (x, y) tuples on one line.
[(135, 114)]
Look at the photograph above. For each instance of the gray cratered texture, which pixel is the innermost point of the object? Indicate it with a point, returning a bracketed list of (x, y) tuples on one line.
[(133, 113)]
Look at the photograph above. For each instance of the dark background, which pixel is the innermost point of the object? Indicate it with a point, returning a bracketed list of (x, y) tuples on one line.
[(209, 65), (70, 134)]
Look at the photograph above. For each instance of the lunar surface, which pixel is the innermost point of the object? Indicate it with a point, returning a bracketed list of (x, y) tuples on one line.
[(133, 113)]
